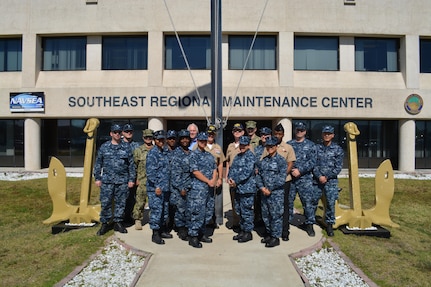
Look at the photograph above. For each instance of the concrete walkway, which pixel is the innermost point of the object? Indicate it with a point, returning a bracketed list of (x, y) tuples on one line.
[(224, 262)]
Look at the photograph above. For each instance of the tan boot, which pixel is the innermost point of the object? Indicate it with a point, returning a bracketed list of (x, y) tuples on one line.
[(138, 225)]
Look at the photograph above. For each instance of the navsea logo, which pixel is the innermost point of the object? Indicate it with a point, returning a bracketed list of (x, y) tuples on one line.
[(27, 102)]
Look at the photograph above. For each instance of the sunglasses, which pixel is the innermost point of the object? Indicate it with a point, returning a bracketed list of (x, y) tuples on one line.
[(116, 132), (129, 132)]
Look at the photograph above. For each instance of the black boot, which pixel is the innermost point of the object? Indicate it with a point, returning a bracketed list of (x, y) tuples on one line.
[(247, 236), (272, 242), (156, 237), (238, 236), (329, 230), (265, 239), (103, 229), (310, 230), (118, 226), (285, 236), (182, 233), (205, 239), (194, 241), (164, 233)]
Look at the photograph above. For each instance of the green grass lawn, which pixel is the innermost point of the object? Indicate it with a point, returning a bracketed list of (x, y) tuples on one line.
[(32, 256)]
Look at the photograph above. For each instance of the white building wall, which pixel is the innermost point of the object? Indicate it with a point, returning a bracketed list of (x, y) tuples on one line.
[(375, 95)]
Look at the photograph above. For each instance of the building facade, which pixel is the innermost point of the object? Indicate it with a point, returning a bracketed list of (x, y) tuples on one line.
[(149, 63)]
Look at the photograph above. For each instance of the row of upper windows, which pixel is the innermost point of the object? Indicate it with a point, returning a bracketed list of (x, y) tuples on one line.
[(131, 53)]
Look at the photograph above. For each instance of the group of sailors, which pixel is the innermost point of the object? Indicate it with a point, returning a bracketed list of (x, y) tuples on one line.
[(181, 174)]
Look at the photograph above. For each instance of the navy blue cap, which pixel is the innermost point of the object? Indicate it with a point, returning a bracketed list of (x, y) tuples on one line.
[(171, 134), (270, 141), (127, 127), (202, 136), (244, 140), (212, 129), (160, 134), (265, 131), (116, 127), (300, 126), (183, 134), (237, 126), (328, 129)]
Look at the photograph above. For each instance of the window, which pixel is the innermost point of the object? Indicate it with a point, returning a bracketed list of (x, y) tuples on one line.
[(316, 53), (262, 55), (196, 48), (425, 54), (10, 54), (124, 53), (380, 55), (64, 54)]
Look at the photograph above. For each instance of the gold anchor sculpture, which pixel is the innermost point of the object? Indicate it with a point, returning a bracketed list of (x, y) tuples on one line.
[(62, 210), (354, 216)]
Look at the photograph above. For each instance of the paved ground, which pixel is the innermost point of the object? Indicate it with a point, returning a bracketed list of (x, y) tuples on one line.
[(224, 262)]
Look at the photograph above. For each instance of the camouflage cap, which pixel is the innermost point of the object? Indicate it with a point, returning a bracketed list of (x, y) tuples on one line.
[(202, 136), (171, 134), (147, 133), (245, 140), (271, 141), (116, 127), (183, 134), (161, 134), (328, 129), (265, 131), (127, 127), (250, 124)]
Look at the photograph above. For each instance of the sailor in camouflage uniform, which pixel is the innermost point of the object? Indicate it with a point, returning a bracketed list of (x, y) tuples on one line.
[(302, 177), (171, 144), (204, 178), (270, 181), (127, 136), (181, 182), (242, 178), (250, 127), (114, 172), (265, 132), (328, 166), (158, 187), (140, 158)]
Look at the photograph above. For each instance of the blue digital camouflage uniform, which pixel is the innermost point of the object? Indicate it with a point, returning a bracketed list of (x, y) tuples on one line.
[(131, 198), (204, 162), (180, 180), (329, 164), (242, 172), (272, 175), (305, 153), (158, 177), (114, 166), (258, 151)]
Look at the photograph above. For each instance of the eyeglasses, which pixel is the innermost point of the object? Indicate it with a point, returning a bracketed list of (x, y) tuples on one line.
[(116, 132), (129, 132), (237, 131)]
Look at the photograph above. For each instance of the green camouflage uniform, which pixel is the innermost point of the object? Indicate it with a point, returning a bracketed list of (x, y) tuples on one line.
[(140, 157)]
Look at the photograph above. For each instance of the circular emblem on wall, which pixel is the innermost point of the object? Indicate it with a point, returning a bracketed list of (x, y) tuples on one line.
[(413, 104)]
